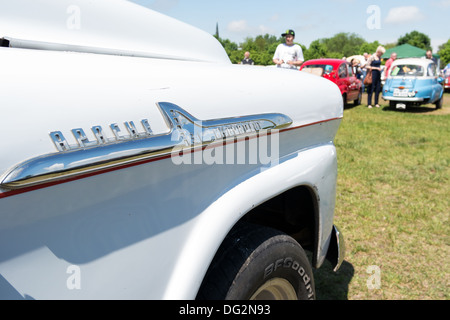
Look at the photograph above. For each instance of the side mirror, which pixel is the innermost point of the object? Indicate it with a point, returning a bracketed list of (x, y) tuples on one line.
[(440, 80)]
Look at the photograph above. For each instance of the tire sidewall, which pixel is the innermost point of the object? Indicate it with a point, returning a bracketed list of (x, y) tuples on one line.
[(439, 104), (357, 102), (278, 257)]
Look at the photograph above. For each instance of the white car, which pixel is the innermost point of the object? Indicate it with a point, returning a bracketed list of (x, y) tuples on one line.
[(138, 163)]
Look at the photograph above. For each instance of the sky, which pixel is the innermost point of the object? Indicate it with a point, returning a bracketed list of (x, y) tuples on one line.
[(385, 21)]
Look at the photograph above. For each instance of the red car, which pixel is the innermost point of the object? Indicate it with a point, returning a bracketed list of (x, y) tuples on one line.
[(340, 72), (446, 76)]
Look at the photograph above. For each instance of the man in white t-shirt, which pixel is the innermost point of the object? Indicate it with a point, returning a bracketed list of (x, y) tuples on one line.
[(288, 55)]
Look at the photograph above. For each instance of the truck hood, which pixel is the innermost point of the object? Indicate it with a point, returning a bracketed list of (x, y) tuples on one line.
[(46, 91), (104, 26), (111, 73)]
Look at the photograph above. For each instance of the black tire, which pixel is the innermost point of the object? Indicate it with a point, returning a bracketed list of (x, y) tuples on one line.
[(357, 102), (392, 104), (258, 263), (439, 103)]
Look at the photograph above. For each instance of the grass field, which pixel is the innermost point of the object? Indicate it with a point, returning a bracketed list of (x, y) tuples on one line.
[(393, 205)]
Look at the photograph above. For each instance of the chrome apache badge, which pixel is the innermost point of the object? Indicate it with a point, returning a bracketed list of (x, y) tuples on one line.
[(134, 147)]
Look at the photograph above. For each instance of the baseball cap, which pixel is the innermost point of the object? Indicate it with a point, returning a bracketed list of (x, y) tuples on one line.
[(288, 32)]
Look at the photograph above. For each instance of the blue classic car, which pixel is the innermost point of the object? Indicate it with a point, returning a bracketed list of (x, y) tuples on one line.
[(413, 81)]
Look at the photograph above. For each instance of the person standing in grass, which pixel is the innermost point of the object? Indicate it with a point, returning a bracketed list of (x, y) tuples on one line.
[(247, 59), (288, 55), (374, 64), (389, 63)]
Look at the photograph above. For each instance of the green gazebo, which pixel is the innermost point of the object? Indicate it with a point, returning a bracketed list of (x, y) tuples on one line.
[(407, 51)]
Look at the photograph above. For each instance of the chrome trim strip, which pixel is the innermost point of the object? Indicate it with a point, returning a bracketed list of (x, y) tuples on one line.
[(50, 46), (185, 132), (406, 99)]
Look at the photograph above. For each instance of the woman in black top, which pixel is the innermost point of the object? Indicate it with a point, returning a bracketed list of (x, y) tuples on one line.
[(374, 63)]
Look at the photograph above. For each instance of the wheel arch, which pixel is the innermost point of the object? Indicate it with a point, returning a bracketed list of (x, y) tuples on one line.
[(294, 212), (302, 185)]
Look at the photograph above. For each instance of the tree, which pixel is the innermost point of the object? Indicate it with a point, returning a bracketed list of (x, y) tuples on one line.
[(391, 45), (227, 44), (260, 43), (417, 39), (369, 47), (444, 52), (343, 44), (231, 48), (261, 48), (316, 50)]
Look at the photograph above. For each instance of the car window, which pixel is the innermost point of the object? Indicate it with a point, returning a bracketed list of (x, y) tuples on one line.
[(432, 70), (350, 71), (327, 69), (342, 71), (411, 70)]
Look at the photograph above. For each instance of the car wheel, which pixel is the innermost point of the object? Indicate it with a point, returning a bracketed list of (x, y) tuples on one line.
[(344, 100), (357, 102), (392, 104), (258, 263), (439, 103)]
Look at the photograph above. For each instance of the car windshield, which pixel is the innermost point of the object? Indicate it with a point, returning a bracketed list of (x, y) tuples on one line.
[(327, 69), (411, 70)]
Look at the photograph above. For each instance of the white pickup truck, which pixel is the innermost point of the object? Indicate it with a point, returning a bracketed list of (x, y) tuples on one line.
[(138, 163)]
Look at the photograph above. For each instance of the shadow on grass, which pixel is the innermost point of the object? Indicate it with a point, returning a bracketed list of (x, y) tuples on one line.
[(332, 285), (350, 106), (412, 109)]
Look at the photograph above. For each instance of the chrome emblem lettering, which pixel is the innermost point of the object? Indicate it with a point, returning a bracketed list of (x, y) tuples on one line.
[(101, 139), (136, 144)]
